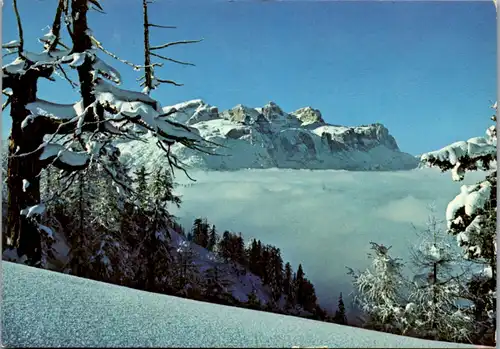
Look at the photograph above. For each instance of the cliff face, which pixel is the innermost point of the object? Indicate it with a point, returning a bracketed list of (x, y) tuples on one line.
[(269, 137)]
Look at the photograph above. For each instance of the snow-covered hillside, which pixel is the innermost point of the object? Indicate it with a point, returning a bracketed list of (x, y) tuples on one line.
[(240, 282), (47, 309), (268, 137)]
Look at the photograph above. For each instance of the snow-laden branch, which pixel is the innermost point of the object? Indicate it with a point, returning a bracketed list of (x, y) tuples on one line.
[(6, 103), (477, 152), (145, 111), (471, 216), (31, 211), (107, 93), (472, 198), (13, 44), (106, 70), (63, 158), (53, 110), (39, 62)]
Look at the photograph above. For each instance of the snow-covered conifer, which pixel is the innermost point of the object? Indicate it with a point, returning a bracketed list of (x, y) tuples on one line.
[(379, 290), (434, 309), (471, 215), (340, 314)]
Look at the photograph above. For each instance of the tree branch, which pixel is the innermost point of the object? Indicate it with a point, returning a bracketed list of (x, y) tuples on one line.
[(97, 4), (67, 18), (183, 42), (56, 26), (19, 28), (168, 82), (97, 10), (171, 59), (6, 103), (65, 76), (162, 26), (111, 54), (47, 42), (8, 54)]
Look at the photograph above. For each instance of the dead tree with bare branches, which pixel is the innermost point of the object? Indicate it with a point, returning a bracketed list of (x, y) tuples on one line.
[(71, 136), (149, 80)]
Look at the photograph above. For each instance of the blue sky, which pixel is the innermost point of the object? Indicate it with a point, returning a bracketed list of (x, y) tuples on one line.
[(426, 70)]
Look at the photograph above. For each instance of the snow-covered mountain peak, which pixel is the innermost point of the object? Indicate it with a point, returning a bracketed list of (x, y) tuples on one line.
[(242, 114), (270, 137), (309, 116), (185, 106), (192, 112), (272, 108)]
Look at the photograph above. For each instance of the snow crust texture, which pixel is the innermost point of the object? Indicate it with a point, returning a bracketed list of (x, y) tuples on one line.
[(268, 137), (47, 309)]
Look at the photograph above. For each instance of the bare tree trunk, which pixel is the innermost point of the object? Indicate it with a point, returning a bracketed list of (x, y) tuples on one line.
[(81, 43), (22, 232), (148, 73), (434, 295)]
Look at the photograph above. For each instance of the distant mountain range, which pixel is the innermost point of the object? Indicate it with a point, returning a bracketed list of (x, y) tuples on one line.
[(268, 137)]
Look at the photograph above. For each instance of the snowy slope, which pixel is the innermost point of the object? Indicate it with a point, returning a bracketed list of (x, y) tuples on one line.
[(239, 284), (268, 137), (48, 309)]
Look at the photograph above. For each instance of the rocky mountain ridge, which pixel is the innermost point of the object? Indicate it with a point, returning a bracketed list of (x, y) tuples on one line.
[(268, 137)]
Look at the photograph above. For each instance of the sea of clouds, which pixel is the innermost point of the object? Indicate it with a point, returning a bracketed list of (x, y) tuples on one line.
[(322, 219)]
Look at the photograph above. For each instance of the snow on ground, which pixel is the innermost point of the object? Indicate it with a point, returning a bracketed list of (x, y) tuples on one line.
[(48, 309), (322, 219), (240, 284)]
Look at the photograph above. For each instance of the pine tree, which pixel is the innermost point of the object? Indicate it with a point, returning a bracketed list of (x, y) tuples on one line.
[(471, 217), (239, 255), (309, 296), (434, 310), (253, 256), (224, 246), (340, 315), (288, 288), (212, 239), (379, 290), (264, 262), (275, 271), (216, 281), (200, 232), (141, 180), (186, 272), (253, 301), (81, 238), (162, 189), (299, 286), (260, 265)]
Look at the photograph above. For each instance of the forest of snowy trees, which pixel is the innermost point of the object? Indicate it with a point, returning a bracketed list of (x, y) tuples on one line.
[(455, 298), (71, 205)]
